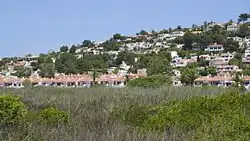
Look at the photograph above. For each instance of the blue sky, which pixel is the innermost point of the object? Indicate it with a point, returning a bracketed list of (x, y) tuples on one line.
[(35, 26)]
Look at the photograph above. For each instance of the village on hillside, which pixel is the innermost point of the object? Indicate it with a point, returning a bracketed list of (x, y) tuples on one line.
[(209, 54)]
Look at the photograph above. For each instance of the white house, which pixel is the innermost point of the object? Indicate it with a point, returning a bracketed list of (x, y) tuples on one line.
[(211, 25), (176, 77), (177, 34), (218, 61), (205, 57), (228, 69), (179, 62), (174, 54), (232, 27), (227, 56), (176, 73), (247, 52), (214, 48), (179, 45), (124, 66)]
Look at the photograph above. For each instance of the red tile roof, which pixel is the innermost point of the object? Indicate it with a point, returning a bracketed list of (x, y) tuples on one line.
[(70, 78)]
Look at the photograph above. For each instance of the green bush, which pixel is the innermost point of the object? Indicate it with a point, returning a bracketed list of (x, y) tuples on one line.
[(12, 110), (52, 116), (221, 117), (150, 81)]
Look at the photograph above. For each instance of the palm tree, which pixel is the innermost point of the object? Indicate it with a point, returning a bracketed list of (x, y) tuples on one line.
[(94, 75), (243, 17)]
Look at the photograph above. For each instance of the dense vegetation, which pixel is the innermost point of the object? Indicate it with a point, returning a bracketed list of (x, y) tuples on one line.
[(88, 114), (69, 61), (224, 117)]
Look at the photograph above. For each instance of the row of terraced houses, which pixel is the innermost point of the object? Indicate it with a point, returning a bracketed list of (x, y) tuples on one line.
[(68, 80)]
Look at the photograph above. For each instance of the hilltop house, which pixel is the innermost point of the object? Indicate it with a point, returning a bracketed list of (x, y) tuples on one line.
[(232, 27), (214, 48), (211, 25)]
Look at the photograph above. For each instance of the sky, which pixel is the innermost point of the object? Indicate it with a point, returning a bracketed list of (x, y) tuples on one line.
[(36, 26)]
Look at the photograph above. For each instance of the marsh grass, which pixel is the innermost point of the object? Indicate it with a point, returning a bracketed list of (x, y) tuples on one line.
[(89, 110)]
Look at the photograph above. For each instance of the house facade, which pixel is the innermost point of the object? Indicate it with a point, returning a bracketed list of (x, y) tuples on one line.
[(214, 48), (232, 27), (228, 69), (111, 80), (218, 61)]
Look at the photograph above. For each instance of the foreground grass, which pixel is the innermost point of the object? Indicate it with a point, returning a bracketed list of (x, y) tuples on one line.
[(90, 112)]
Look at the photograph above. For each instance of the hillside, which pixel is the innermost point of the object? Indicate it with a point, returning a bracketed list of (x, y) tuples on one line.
[(214, 50)]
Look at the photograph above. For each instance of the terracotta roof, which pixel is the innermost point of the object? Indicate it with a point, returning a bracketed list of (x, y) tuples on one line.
[(215, 78), (247, 78), (69, 78), (110, 78)]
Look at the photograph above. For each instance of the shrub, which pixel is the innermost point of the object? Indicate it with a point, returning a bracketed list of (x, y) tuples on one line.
[(52, 116), (12, 110), (225, 116), (151, 81)]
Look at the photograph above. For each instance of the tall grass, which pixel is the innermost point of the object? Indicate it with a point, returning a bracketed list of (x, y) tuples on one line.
[(89, 110)]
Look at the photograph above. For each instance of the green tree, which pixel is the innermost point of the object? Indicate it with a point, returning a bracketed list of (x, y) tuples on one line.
[(47, 70), (246, 71), (170, 30), (237, 60), (117, 36), (21, 71), (244, 31), (157, 65), (66, 63), (86, 43), (125, 56), (231, 46), (179, 40), (83, 65), (188, 40), (34, 65), (217, 29), (72, 49), (94, 75), (64, 49), (208, 71), (44, 58), (179, 28), (243, 17), (184, 53), (188, 76), (143, 32), (111, 45)]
